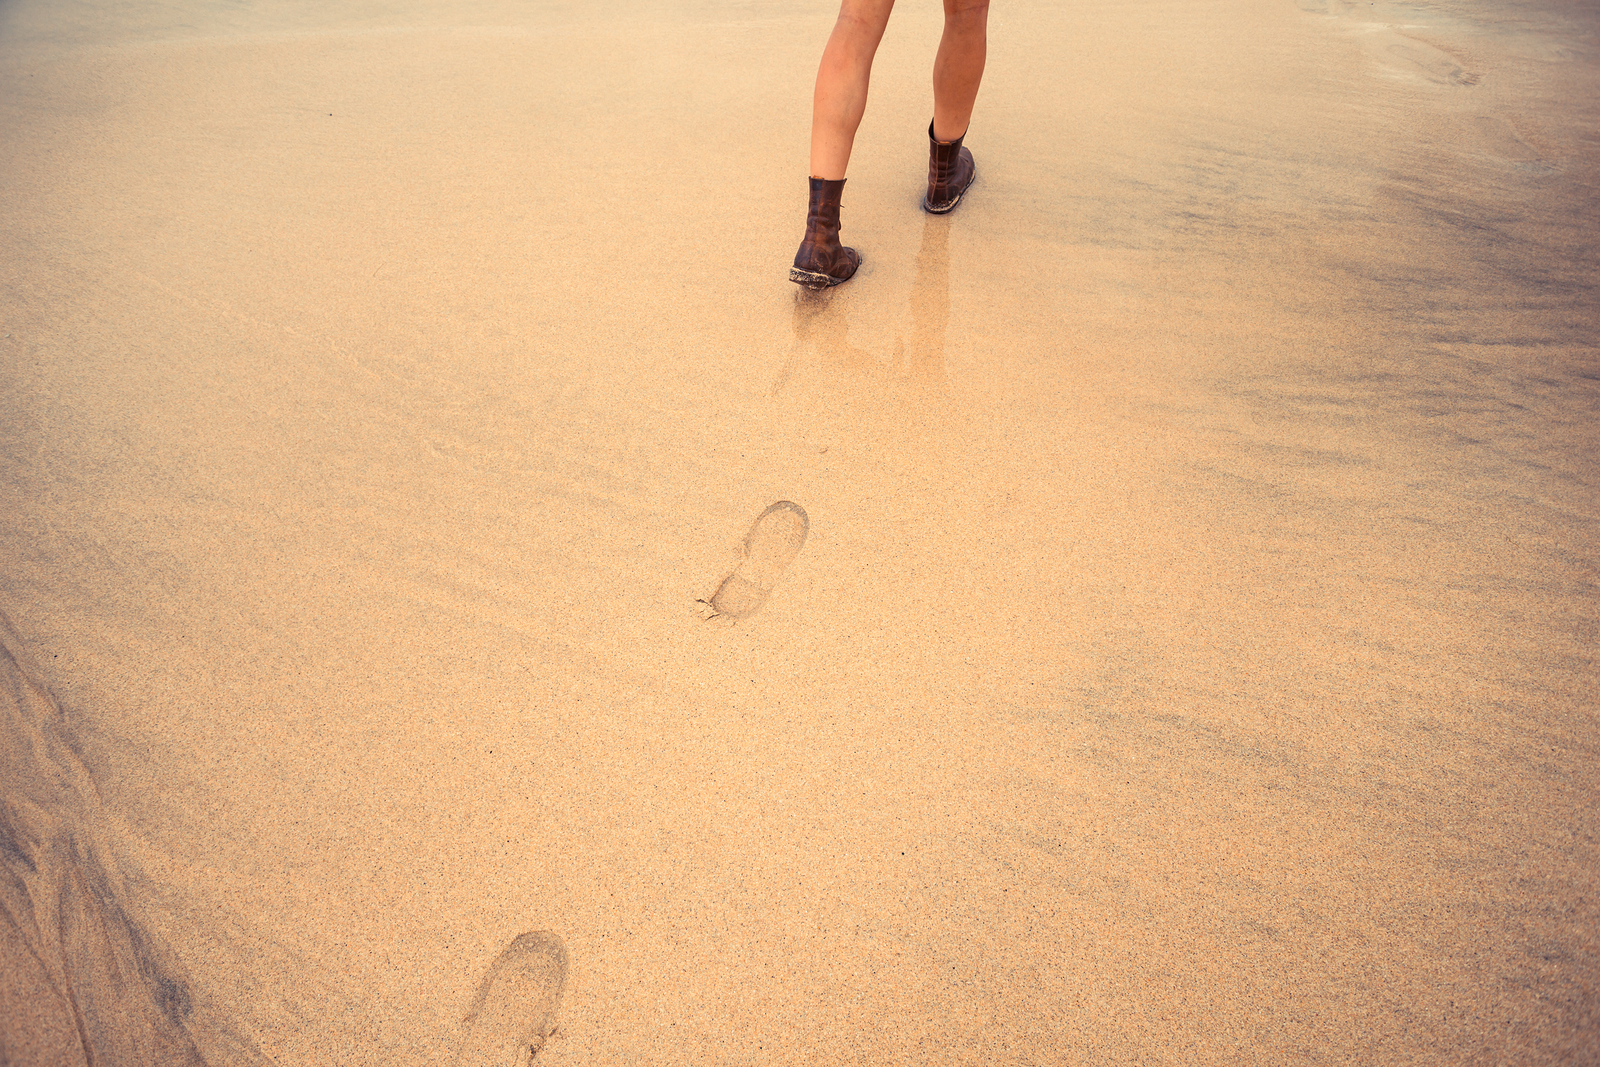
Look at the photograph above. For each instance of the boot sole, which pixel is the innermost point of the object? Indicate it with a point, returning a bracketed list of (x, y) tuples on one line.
[(812, 280)]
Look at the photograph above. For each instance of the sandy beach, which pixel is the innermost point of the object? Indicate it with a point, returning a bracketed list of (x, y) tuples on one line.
[(1179, 646)]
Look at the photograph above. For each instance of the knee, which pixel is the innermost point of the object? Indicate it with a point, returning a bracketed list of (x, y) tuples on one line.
[(864, 21), (966, 16)]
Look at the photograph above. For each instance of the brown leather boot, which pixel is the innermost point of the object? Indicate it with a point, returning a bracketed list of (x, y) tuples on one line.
[(822, 261), (950, 173)]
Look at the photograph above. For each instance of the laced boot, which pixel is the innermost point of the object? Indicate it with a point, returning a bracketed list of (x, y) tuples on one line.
[(950, 172), (822, 261)]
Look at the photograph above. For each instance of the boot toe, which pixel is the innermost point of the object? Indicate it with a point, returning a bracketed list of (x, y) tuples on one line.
[(845, 268)]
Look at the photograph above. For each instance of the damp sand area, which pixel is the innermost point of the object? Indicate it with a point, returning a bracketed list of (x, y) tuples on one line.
[(1147, 615)]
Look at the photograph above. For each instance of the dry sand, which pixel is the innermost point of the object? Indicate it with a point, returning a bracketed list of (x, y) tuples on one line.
[(1191, 658)]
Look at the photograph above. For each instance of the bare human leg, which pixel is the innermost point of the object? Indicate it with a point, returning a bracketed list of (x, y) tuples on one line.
[(837, 106), (840, 98), (958, 68), (957, 72)]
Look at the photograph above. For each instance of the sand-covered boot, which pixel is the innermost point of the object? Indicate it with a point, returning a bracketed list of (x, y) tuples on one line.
[(822, 261), (950, 172)]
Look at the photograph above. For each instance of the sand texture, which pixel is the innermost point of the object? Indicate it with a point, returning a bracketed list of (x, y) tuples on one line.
[(1178, 646)]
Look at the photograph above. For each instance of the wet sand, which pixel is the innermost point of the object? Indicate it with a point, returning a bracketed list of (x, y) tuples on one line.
[(1190, 657)]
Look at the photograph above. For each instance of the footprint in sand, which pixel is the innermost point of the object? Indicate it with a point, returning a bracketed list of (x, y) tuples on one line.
[(515, 1009), (774, 540)]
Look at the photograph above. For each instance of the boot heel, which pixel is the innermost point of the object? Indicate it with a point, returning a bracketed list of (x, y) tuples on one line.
[(822, 261)]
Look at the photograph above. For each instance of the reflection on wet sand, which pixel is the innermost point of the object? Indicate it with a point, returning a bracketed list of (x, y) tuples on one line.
[(820, 326), (922, 362)]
